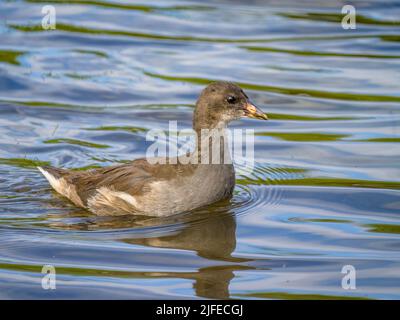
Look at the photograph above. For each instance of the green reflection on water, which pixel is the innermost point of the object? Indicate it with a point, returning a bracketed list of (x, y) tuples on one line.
[(303, 136), (10, 56), (76, 271), (283, 116), (337, 18), (77, 142), (23, 162), (321, 220), (384, 228), (125, 6), (316, 136), (390, 139), (88, 167), (86, 30), (94, 52), (289, 91), (43, 104), (319, 53), (323, 182), (303, 296), (118, 128)]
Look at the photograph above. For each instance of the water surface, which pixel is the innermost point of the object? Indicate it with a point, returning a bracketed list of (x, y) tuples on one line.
[(325, 189)]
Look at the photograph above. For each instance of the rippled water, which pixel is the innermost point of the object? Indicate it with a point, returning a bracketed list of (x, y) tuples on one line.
[(325, 191)]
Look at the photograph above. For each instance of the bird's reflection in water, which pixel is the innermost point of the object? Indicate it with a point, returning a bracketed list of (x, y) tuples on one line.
[(211, 233), (213, 238)]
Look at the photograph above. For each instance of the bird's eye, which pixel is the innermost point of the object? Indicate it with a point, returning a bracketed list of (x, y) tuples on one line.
[(231, 99)]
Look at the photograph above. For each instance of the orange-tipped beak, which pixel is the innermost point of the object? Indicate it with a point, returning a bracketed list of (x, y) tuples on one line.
[(251, 111)]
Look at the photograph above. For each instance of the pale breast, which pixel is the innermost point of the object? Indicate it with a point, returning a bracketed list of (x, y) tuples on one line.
[(208, 184)]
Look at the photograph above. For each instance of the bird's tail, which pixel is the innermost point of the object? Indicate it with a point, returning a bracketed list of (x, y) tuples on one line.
[(53, 175)]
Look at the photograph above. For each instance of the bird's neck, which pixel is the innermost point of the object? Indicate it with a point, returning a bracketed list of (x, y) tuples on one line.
[(212, 144)]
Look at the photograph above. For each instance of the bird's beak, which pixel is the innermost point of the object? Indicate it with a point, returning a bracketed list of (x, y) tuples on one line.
[(251, 111)]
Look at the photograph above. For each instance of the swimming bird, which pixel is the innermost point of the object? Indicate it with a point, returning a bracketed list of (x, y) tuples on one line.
[(163, 188)]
